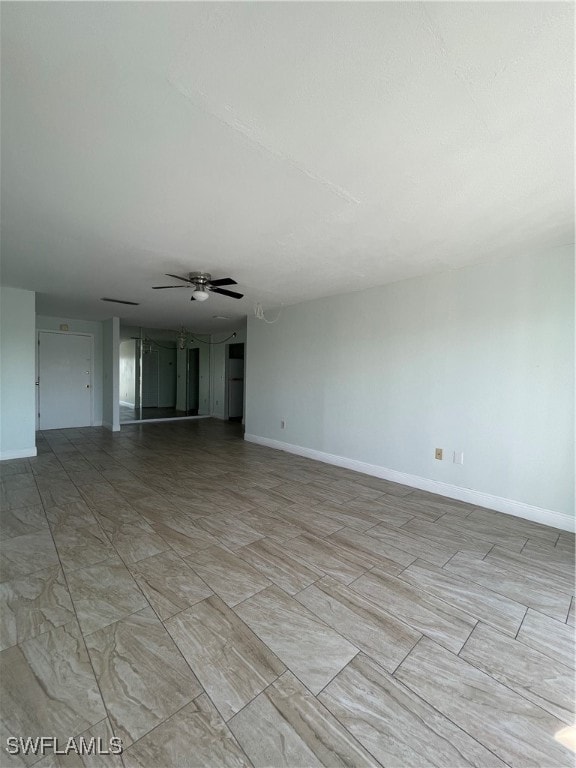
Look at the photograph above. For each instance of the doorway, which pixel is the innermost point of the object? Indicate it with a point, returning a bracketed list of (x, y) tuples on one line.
[(65, 371), (235, 382), (193, 399)]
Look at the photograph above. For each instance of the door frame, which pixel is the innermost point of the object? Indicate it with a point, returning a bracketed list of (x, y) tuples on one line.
[(64, 333), (227, 381)]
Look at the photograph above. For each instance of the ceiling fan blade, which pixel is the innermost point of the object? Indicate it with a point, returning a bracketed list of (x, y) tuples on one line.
[(159, 287), (178, 277), (223, 281), (224, 292)]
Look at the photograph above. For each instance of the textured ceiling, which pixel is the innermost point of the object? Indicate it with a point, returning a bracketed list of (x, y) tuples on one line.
[(305, 149)]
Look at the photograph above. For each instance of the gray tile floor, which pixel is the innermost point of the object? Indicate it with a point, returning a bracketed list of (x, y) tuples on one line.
[(216, 603)]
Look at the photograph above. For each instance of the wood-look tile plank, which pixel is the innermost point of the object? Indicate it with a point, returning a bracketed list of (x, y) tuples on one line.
[(82, 547), (229, 500), (469, 526), (355, 488), (346, 516), (394, 507), (193, 737), (571, 620), (21, 555), (86, 477), (325, 554), (552, 638), (498, 521), (32, 605), (547, 683), (297, 493), (229, 531), (19, 522), (308, 647), (230, 576), (13, 496), (370, 628), (530, 591), (381, 512), (414, 545), (447, 537), (15, 467), (559, 579), (48, 687), (231, 662), (379, 551), (186, 542), (103, 594), (552, 556), (396, 726), (99, 493), (481, 705), (103, 731), (55, 494), (445, 623), (113, 515), (567, 542), (169, 584), (136, 542), (141, 673), (441, 504), (480, 602), (311, 522), (71, 514), (287, 726), (270, 558), (266, 524)]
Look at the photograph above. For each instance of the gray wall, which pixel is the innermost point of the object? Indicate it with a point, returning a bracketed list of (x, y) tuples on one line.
[(17, 373), (478, 360)]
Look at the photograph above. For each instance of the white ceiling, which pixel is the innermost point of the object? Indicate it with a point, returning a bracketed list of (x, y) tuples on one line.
[(305, 149)]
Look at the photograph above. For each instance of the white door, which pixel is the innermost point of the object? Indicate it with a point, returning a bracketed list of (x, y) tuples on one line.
[(65, 380)]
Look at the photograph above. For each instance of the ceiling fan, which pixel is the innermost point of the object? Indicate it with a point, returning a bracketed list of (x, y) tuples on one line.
[(203, 285)]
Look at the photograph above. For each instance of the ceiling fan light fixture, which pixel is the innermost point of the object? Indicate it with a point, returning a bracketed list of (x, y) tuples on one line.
[(200, 295)]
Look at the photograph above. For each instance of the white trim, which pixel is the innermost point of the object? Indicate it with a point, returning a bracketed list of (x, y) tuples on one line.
[(109, 426), (168, 418), (478, 498), (21, 453), (127, 404)]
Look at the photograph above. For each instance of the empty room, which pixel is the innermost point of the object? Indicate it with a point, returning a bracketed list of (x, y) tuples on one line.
[(287, 340)]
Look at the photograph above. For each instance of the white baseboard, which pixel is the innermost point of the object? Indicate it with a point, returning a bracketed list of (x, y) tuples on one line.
[(111, 427), (127, 404), (21, 453), (477, 498), (168, 418)]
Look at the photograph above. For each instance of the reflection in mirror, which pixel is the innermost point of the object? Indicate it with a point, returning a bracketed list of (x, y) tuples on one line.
[(164, 374)]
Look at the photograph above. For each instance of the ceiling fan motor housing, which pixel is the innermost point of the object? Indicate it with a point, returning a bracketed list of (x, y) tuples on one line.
[(200, 279)]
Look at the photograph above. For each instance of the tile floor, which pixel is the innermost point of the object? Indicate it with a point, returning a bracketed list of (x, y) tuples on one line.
[(216, 603)]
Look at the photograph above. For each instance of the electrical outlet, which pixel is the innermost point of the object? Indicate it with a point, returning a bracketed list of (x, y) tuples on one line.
[(438, 454), (282, 423)]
